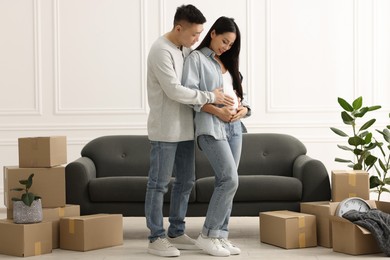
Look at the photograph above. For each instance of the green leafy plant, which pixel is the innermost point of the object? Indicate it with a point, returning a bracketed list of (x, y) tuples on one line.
[(360, 141), (27, 197), (379, 182)]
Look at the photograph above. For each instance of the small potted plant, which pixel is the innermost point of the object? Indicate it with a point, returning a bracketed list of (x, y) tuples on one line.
[(28, 208)]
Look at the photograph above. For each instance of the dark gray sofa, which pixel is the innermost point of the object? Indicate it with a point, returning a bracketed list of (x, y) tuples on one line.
[(274, 174)]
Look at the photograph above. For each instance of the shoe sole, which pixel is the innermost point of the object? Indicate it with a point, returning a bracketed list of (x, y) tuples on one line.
[(162, 253), (210, 253), (186, 247)]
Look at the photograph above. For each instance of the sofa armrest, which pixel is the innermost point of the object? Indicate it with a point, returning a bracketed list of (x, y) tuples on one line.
[(77, 175), (314, 177)]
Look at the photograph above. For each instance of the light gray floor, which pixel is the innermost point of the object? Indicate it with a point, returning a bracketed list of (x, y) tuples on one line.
[(244, 232)]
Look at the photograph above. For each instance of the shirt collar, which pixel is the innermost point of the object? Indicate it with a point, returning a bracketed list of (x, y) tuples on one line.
[(207, 52)]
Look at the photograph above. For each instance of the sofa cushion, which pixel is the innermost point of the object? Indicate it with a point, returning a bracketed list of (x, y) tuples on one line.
[(123, 189), (119, 155), (255, 188)]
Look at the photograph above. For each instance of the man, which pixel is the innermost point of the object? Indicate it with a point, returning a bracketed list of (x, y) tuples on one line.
[(171, 131)]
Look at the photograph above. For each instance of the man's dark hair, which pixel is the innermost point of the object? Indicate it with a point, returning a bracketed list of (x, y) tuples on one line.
[(188, 13)]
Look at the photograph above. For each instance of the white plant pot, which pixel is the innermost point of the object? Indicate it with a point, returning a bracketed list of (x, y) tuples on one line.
[(24, 214)]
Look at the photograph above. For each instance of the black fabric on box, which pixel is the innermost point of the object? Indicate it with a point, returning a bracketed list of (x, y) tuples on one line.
[(377, 222)]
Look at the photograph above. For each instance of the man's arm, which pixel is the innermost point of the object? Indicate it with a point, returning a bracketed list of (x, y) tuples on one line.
[(162, 65)]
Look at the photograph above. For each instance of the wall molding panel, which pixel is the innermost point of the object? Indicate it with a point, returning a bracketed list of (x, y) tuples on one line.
[(271, 62), (36, 110), (60, 109)]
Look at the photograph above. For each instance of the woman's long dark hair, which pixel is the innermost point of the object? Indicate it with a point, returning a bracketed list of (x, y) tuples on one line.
[(230, 58)]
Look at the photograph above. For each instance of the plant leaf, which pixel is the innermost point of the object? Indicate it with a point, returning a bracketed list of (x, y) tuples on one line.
[(345, 105), (384, 189), (367, 124), (339, 132), (29, 181), (361, 112), (357, 166), (347, 119), (346, 148), (387, 181), (370, 160), (18, 189), (28, 198), (374, 182), (355, 141), (342, 160), (372, 108), (382, 165), (357, 103)]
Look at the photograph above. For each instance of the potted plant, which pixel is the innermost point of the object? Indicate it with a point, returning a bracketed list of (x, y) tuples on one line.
[(378, 183), (28, 208), (360, 141)]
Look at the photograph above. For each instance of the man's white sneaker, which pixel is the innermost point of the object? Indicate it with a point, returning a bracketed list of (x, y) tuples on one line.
[(183, 242), (229, 246), (211, 246), (162, 247)]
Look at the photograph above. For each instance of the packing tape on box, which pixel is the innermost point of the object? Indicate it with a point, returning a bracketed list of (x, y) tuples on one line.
[(301, 221), (61, 212), (71, 226), (301, 235), (302, 239), (352, 179), (351, 194), (38, 248)]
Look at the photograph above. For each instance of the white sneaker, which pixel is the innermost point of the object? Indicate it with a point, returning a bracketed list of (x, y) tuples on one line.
[(229, 246), (211, 246), (162, 247), (183, 242)]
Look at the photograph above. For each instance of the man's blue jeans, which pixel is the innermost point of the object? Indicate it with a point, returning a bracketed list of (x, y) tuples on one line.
[(168, 158), (224, 157)]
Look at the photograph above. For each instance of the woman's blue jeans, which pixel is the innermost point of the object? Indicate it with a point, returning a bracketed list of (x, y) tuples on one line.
[(167, 159), (224, 157)]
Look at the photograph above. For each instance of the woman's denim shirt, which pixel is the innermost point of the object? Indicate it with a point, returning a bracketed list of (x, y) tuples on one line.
[(201, 71)]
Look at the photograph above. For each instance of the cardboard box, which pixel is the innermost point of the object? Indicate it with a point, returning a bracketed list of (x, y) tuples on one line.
[(54, 215), (38, 152), (347, 184), (288, 229), (25, 239), (352, 239), (91, 232), (322, 210), (48, 183)]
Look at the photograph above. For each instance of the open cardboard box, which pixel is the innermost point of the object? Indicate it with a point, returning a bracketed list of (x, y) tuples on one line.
[(322, 210), (352, 239)]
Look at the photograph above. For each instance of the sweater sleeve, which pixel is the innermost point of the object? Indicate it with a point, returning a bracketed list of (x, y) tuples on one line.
[(163, 66)]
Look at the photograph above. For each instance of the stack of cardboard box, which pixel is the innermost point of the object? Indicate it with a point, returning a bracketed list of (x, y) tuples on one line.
[(288, 229), (45, 157), (62, 226), (339, 233)]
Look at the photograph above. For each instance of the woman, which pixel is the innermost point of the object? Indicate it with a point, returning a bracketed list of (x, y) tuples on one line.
[(213, 64)]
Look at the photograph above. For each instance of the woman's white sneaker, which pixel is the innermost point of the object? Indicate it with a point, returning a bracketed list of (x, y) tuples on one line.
[(211, 246), (229, 246), (162, 247)]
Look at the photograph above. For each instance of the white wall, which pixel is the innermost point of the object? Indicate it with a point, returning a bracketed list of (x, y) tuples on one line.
[(77, 67)]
